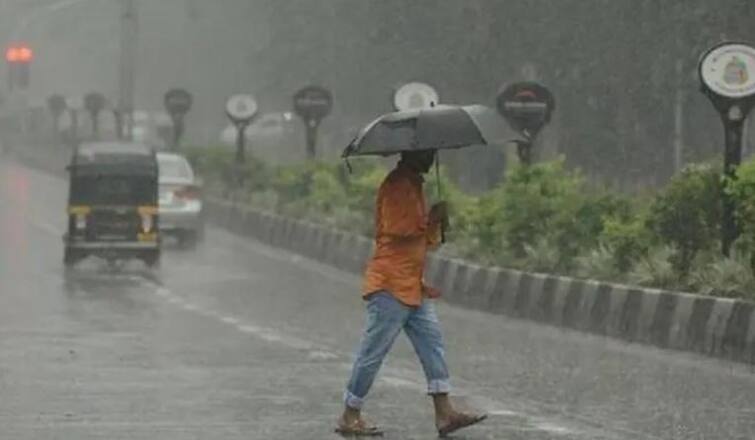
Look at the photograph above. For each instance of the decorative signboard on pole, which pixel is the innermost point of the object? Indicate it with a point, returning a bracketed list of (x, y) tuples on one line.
[(178, 103), (241, 109), (94, 103), (527, 107), (415, 95), (727, 76), (313, 104)]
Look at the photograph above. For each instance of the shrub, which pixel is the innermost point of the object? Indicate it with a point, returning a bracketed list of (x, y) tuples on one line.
[(544, 202), (628, 239), (541, 256), (686, 215), (728, 276), (543, 218), (598, 264), (742, 191), (532, 199), (655, 270)]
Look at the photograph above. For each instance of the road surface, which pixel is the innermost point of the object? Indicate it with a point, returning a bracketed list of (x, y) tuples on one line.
[(241, 341)]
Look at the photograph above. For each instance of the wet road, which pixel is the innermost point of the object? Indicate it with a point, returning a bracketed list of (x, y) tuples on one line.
[(240, 341)]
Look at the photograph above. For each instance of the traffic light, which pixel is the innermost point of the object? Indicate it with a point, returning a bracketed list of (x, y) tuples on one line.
[(19, 58)]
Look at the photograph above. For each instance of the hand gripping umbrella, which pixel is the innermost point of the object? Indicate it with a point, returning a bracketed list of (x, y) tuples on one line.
[(441, 127)]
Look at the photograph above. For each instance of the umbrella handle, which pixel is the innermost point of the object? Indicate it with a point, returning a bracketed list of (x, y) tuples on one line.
[(440, 195)]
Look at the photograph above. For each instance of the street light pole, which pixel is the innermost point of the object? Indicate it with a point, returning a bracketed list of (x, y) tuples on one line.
[(129, 29)]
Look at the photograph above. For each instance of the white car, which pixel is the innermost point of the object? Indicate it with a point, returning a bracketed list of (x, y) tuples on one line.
[(180, 202)]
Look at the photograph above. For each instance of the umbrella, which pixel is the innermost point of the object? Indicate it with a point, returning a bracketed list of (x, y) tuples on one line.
[(436, 128)]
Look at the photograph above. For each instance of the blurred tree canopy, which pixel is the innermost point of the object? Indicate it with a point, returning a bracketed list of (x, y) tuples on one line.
[(622, 70), (615, 66)]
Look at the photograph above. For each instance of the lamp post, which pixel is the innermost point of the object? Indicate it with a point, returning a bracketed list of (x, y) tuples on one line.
[(727, 77)]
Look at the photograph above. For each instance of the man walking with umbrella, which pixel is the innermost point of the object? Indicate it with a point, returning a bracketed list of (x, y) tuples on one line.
[(397, 298)]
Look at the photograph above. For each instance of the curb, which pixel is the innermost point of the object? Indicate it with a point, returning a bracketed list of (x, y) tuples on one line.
[(717, 327)]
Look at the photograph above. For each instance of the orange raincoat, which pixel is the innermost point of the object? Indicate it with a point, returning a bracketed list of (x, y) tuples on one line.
[(403, 236)]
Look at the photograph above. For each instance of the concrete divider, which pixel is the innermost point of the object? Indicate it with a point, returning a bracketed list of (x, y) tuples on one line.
[(749, 352), (572, 315), (303, 234), (280, 230), (716, 329), (713, 326), (598, 307), (432, 268), (437, 276), (235, 219), (629, 319), (616, 304), (343, 254), (320, 244), (478, 287), (541, 308), (741, 321), (266, 227), (247, 223), (522, 295), (504, 294), (697, 325), (455, 287), (560, 295), (650, 299), (332, 239), (447, 278)]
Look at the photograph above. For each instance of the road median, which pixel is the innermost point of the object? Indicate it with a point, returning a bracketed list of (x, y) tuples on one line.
[(717, 327)]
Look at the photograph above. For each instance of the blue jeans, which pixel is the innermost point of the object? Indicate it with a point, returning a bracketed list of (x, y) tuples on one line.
[(386, 317)]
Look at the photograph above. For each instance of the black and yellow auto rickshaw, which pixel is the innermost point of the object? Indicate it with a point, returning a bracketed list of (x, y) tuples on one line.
[(112, 204)]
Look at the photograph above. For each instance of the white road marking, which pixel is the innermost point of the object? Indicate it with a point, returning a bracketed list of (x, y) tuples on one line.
[(553, 429), (229, 320), (321, 355), (392, 376)]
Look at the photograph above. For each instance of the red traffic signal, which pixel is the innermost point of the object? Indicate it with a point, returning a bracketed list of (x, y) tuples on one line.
[(19, 54)]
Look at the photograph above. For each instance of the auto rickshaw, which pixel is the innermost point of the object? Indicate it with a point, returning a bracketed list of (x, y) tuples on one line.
[(113, 204)]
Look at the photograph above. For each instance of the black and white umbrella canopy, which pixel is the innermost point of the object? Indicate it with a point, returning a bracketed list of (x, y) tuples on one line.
[(436, 128)]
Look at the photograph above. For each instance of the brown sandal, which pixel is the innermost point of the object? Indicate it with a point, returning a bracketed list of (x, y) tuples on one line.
[(460, 421), (359, 428)]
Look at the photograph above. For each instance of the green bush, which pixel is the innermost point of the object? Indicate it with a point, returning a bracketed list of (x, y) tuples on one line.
[(599, 264), (544, 203), (742, 191), (655, 270), (686, 215), (629, 240), (543, 218), (730, 277)]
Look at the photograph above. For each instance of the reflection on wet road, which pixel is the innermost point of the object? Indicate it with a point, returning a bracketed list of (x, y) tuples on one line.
[(240, 341)]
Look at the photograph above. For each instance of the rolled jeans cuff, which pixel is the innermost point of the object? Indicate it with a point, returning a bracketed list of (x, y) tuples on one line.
[(439, 386), (352, 401)]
